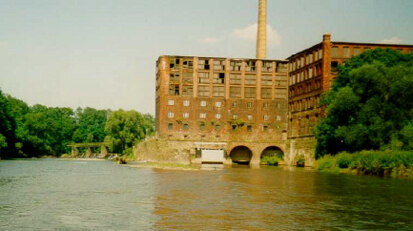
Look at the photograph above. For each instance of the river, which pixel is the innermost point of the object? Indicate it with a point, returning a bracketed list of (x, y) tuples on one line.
[(50, 194)]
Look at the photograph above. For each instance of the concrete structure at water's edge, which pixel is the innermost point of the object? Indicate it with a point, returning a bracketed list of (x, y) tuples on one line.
[(218, 109)]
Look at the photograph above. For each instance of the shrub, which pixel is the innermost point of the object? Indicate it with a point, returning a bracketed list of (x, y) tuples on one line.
[(300, 161), (270, 160), (325, 163), (344, 160)]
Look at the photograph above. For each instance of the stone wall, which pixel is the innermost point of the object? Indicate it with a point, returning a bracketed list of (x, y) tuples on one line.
[(162, 150), (304, 146)]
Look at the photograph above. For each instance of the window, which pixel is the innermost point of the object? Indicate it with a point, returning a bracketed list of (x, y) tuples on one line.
[(234, 104), (346, 52), (217, 127), (202, 115), (249, 128), (278, 118), (250, 66), (187, 90), (234, 116), (186, 103), (174, 63), (266, 80), (235, 92), (174, 77), (265, 128), (187, 77), (356, 51), (265, 105), (219, 78), (266, 93), (218, 116), (218, 104), (203, 103), (186, 115), (249, 105), (267, 67), (250, 92), (334, 52), (202, 126), (334, 66), (249, 117), (250, 79), (219, 65), (218, 91), (203, 77), (266, 117), (170, 114), (320, 54), (170, 126), (234, 79), (203, 64), (173, 89), (171, 102), (203, 91), (235, 65), (186, 126), (188, 64)]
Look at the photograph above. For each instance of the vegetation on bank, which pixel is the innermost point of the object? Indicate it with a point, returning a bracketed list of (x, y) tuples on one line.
[(370, 105), (270, 160), (39, 130), (381, 163)]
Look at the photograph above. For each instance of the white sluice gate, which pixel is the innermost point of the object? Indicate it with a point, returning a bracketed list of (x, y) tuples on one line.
[(212, 156)]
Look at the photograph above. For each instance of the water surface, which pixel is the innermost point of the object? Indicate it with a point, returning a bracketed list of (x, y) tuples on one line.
[(99, 195)]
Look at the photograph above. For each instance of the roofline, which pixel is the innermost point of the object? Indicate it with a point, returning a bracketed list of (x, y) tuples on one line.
[(231, 58), (305, 50), (373, 44)]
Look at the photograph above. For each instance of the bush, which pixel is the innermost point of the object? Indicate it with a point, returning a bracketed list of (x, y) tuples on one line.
[(300, 161), (326, 163), (270, 160), (344, 160)]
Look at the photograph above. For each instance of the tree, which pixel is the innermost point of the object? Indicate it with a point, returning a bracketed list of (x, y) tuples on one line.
[(90, 125), (126, 128), (7, 126), (369, 105)]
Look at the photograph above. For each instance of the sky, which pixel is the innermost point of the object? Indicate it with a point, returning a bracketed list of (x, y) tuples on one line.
[(102, 53)]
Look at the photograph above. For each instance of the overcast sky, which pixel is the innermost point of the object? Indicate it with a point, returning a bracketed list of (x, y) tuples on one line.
[(102, 53)]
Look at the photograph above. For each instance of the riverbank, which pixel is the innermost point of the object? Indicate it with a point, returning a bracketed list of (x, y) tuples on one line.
[(380, 163)]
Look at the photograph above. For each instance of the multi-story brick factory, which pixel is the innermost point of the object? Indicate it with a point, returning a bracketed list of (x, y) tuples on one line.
[(239, 110)]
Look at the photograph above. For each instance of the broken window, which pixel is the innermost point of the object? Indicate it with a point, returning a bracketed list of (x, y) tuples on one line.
[(203, 77), (187, 91), (203, 64), (174, 77), (235, 92), (250, 79), (188, 64), (235, 79), (249, 128), (219, 65), (174, 63), (218, 91), (250, 92), (334, 66), (203, 91), (281, 67), (267, 67), (250, 66), (235, 65), (219, 78), (173, 89), (266, 93)]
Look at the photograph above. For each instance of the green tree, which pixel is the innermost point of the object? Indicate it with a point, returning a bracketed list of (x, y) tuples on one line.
[(7, 126), (126, 128), (369, 105), (90, 125)]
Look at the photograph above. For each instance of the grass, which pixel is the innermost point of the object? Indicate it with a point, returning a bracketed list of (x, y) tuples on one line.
[(380, 163), (270, 160)]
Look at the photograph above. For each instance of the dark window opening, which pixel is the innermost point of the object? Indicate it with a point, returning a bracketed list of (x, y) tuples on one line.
[(249, 128), (334, 66), (186, 126), (202, 126), (170, 126), (265, 128), (234, 127)]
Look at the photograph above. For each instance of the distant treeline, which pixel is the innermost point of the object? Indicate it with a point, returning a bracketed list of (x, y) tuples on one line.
[(39, 130)]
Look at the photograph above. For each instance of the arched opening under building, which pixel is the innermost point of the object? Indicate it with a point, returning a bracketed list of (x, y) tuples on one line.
[(272, 151), (241, 155)]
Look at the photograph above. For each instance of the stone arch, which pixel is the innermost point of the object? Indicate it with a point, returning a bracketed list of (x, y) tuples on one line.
[(241, 155), (272, 151)]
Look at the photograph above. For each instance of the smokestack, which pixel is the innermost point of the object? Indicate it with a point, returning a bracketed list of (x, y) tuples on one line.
[(262, 30)]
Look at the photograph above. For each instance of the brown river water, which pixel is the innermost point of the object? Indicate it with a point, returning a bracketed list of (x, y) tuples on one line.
[(54, 194)]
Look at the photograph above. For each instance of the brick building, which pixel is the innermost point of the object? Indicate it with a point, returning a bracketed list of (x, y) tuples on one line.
[(239, 110)]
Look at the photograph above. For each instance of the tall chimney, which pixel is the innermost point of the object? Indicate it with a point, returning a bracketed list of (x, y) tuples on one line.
[(262, 30)]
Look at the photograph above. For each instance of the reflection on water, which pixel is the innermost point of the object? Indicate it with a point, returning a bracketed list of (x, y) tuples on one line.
[(78, 195)]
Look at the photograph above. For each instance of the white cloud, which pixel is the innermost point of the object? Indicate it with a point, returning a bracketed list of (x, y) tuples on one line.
[(249, 33), (210, 40), (393, 40)]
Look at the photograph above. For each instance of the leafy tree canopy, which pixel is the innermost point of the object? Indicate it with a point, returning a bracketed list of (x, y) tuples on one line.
[(370, 104)]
